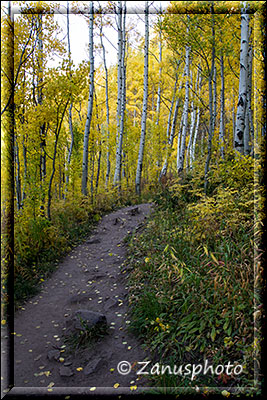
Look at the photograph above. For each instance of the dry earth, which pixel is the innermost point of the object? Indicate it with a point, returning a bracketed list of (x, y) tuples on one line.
[(91, 277)]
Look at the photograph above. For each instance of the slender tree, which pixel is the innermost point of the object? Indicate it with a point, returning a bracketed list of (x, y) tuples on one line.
[(90, 102), (121, 89), (181, 150), (144, 110), (243, 81), (222, 110), (71, 104)]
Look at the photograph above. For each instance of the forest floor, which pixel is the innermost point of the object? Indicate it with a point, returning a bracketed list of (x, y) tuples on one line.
[(91, 277)]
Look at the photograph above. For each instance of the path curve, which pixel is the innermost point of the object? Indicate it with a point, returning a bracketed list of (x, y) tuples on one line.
[(92, 276)]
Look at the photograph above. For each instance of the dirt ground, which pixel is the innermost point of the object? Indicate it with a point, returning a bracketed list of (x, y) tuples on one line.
[(91, 277)]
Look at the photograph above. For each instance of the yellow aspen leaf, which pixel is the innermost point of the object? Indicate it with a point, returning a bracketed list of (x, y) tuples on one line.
[(133, 387), (79, 368), (116, 385), (92, 388)]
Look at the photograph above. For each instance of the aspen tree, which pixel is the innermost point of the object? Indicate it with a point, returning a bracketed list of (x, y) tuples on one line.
[(121, 89), (71, 105), (107, 102), (90, 102), (144, 109), (192, 154), (192, 124), (181, 150), (243, 81), (222, 110), (40, 57), (249, 129), (212, 103)]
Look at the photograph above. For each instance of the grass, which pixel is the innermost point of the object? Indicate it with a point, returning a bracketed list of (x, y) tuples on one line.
[(192, 281)]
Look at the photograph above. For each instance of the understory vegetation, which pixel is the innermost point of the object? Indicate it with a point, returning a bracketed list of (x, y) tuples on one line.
[(41, 243), (194, 272)]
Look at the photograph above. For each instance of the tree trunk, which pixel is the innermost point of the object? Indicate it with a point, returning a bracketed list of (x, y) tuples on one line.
[(243, 81), (107, 103), (180, 161), (160, 74), (57, 132), (70, 107), (40, 57), (212, 103), (144, 110), (222, 111), (90, 103), (121, 92), (192, 154)]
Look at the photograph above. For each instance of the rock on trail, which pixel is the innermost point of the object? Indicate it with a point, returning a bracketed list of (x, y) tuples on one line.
[(90, 278)]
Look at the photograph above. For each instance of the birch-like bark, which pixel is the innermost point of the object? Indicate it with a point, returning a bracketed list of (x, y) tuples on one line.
[(70, 107), (192, 122), (192, 154), (107, 103), (249, 128), (40, 57), (160, 73), (90, 102), (121, 90), (144, 110), (211, 104), (214, 97), (181, 152), (222, 111), (171, 129), (243, 81)]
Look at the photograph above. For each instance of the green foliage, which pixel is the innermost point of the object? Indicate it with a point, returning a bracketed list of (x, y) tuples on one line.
[(39, 243), (192, 285)]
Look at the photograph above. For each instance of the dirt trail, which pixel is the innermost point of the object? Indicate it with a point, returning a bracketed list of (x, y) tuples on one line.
[(91, 277)]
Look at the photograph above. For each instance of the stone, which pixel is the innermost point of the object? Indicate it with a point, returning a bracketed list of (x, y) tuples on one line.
[(53, 355), (85, 319), (94, 241), (65, 371), (92, 366)]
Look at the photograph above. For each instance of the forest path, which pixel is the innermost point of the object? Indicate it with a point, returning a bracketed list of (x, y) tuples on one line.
[(91, 277)]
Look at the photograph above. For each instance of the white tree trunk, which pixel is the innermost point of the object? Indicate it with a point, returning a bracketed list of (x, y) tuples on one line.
[(171, 129), (180, 159), (107, 102), (90, 102), (121, 90), (243, 81), (160, 73), (144, 110), (192, 154), (70, 107), (212, 103), (222, 110)]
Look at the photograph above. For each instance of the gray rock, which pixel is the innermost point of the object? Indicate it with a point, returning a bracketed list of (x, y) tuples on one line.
[(94, 241), (65, 371), (85, 319), (92, 366), (53, 355)]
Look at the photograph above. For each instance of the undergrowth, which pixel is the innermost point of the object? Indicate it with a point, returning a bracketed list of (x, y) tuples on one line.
[(40, 243), (194, 270)]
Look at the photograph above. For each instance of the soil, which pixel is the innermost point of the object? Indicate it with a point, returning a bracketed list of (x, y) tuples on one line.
[(93, 276)]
